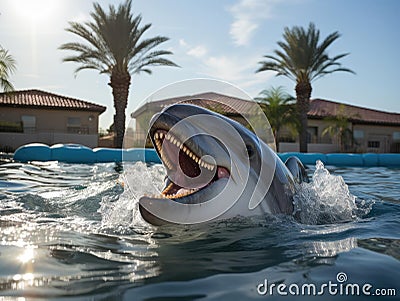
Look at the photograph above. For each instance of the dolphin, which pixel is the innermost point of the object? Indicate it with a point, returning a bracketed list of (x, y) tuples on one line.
[(216, 169)]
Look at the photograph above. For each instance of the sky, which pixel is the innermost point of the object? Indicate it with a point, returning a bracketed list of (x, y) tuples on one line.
[(221, 40)]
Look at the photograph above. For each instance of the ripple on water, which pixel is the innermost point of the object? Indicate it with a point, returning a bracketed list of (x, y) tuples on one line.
[(74, 230)]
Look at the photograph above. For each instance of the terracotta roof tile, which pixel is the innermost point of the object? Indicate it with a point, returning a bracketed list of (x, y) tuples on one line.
[(210, 100), (42, 99), (321, 108)]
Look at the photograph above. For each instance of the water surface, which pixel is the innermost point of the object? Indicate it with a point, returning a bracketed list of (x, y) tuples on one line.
[(73, 232)]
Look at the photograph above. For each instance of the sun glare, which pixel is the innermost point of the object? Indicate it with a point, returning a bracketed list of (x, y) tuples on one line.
[(28, 255), (35, 10)]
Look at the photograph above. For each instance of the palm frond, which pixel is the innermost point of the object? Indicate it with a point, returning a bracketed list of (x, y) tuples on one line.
[(151, 63), (7, 67), (115, 42), (302, 57)]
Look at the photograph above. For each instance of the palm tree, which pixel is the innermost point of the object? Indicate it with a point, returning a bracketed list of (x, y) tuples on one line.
[(7, 67), (279, 109), (115, 46), (303, 59), (339, 128)]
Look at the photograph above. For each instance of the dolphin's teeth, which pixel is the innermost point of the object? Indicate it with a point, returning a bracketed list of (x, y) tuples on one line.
[(158, 138), (165, 191)]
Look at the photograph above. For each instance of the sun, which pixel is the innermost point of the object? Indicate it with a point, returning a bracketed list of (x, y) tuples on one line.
[(35, 11)]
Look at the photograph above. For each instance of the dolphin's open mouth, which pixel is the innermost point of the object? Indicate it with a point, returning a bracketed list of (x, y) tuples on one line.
[(187, 172)]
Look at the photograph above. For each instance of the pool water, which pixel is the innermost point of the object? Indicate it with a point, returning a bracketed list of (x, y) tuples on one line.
[(73, 232)]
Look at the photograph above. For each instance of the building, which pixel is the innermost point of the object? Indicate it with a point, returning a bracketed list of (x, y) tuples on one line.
[(38, 116), (233, 107), (372, 130)]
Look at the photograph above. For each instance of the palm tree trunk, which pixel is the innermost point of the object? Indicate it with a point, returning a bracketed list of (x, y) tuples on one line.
[(276, 134), (120, 82), (303, 94)]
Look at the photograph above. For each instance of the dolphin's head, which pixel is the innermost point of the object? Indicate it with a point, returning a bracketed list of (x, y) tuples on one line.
[(211, 162)]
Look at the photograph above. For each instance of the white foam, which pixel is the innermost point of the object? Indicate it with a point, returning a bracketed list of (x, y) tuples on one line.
[(138, 179), (326, 199)]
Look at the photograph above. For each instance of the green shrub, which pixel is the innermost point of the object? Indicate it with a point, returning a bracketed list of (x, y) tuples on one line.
[(14, 127)]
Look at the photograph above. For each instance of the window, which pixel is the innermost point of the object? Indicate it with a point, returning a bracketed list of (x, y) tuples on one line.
[(29, 123), (396, 135), (374, 144), (358, 134), (74, 121), (312, 134), (74, 126)]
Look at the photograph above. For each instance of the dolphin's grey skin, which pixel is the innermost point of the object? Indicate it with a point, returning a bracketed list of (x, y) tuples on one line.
[(216, 169)]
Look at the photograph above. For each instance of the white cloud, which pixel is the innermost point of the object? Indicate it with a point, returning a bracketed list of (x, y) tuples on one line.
[(195, 51), (242, 30), (248, 14), (237, 70), (182, 43), (198, 51)]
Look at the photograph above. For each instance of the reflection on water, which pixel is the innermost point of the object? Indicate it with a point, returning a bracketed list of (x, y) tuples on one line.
[(69, 262), (331, 248), (386, 246), (74, 231)]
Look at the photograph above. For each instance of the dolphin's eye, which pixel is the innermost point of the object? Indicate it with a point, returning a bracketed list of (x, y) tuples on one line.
[(250, 150)]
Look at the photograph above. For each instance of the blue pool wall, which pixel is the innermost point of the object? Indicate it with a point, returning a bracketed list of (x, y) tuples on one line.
[(347, 160), (75, 153)]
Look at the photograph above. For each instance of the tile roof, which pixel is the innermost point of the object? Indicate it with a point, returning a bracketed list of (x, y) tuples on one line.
[(228, 104), (42, 99), (321, 108)]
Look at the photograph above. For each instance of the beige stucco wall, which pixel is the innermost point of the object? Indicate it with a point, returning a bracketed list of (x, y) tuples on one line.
[(51, 120), (14, 140), (51, 127), (386, 135), (324, 148)]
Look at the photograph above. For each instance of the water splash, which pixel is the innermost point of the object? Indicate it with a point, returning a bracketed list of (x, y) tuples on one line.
[(122, 211), (327, 199)]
